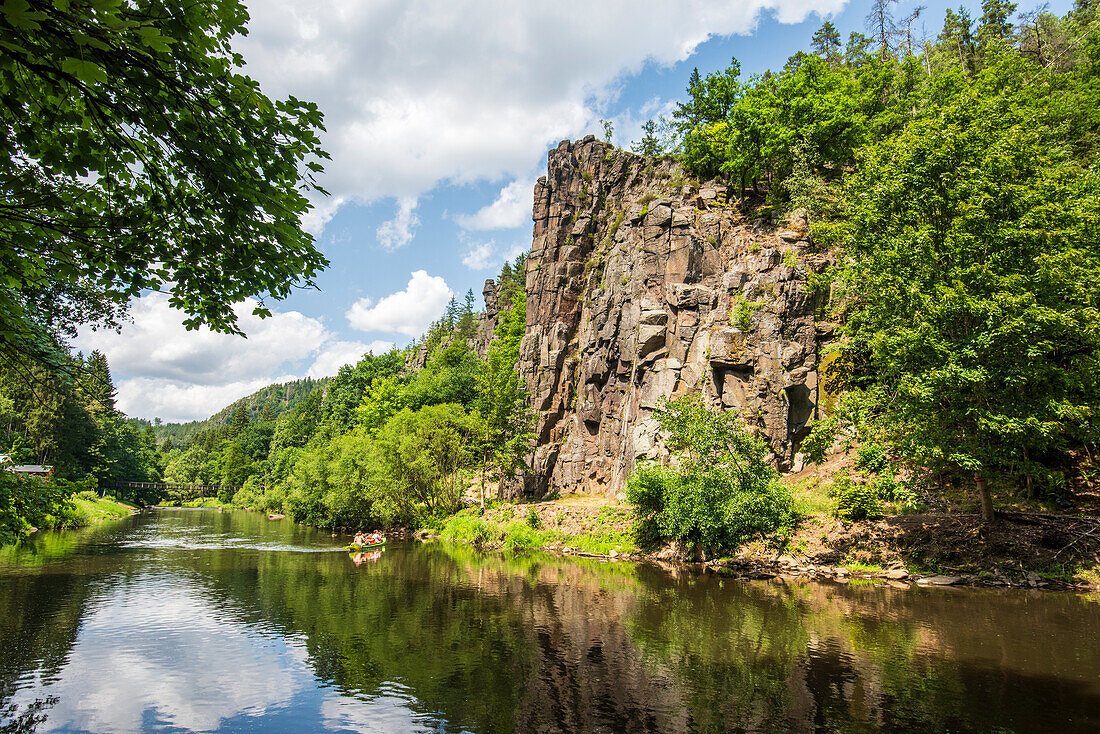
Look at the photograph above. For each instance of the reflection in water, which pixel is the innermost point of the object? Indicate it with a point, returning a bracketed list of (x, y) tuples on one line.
[(199, 621)]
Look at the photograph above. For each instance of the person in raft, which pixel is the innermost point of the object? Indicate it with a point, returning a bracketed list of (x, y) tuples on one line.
[(360, 539), (374, 538)]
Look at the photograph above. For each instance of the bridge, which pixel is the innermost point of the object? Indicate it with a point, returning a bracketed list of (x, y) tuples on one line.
[(177, 492)]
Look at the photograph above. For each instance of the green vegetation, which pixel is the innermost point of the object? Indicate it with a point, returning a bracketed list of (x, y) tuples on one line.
[(723, 491), (384, 444), (957, 183), (854, 500), (38, 503), (598, 537), (742, 310), (69, 421), (263, 406), (136, 158)]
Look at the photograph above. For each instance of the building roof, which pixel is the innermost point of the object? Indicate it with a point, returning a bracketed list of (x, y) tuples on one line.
[(30, 469)]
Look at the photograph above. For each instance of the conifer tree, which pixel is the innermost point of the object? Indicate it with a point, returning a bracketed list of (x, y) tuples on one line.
[(826, 43)]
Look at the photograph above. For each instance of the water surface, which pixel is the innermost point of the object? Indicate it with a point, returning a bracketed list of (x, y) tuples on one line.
[(191, 620)]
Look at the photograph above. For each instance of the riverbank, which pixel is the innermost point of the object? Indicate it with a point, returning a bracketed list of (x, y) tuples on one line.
[(1019, 549), (102, 508), (54, 511)]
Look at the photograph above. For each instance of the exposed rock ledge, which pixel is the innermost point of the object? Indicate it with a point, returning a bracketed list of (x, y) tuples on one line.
[(643, 284)]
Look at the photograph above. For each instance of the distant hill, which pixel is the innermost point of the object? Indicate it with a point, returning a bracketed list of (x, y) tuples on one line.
[(277, 398)]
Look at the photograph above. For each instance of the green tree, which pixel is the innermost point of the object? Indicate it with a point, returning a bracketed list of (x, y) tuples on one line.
[(650, 144), (507, 431), (826, 43), (995, 27), (421, 454), (135, 157), (975, 319), (723, 491)]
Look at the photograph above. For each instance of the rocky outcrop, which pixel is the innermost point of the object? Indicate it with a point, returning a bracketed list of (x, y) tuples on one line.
[(488, 319), (641, 285)]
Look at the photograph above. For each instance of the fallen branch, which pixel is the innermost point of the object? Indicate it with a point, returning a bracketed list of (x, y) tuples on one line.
[(1079, 538)]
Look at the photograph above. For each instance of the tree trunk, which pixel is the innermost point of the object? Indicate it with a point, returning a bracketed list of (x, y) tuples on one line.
[(987, 500)]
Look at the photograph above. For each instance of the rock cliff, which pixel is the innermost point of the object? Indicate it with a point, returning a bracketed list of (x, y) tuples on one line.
[(642, 284)]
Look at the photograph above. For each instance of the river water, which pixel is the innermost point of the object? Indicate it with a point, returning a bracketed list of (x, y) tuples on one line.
[(193, 620)]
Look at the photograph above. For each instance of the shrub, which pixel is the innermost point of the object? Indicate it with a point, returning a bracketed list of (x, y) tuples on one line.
[(872, 458), (521, 537), (821, 438), (855, 501), (88, 495), (468, 528), (31, 502), (724, 492), (533, 520)]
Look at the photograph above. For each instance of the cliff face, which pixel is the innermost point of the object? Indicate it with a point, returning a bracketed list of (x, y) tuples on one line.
[(640, 285)]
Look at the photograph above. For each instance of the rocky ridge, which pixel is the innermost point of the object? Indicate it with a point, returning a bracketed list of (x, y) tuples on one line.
[(642, 284)]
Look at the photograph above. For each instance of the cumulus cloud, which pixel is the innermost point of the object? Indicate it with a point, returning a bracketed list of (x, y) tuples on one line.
[(339, 353), (416, 92), (489, 255), (511, 208), (178, 400), (163, 370), (399, 231), (156, 344), (478, 256), (407, 312)]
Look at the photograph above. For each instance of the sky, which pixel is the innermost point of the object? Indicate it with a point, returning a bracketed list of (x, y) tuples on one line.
[(439, 115)]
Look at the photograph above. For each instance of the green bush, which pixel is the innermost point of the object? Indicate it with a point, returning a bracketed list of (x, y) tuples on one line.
[(872, 458), (855, 501), (724, 491), (521, 536), (821, 438), (88, 495), (468, 528), (32, 502), (533, 519)]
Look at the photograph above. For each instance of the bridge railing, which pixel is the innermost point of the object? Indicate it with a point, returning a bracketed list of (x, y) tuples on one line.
[(182, 492)]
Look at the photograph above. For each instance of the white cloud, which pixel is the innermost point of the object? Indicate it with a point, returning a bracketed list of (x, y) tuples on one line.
[(490, 255), (407, 312), (511, 209), (178, 400), (106, 686), (163, 370), (479, 256), (157, 345), (416, 92), (399, 231), (337, 354)]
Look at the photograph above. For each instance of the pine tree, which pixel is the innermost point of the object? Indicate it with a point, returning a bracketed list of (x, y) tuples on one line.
[(97, 385), (826, 43), (239, 420), (995, 28), (957, 35), (650, 144), (855, 53)]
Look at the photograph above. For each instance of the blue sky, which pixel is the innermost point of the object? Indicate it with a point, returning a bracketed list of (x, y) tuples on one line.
[(439, 114)]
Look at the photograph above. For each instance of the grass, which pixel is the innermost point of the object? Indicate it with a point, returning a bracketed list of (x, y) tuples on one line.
[(103, 508), (519, 535), (860, 567), (812, 498)]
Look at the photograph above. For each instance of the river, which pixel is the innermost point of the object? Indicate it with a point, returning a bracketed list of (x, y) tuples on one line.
[(194, 620)]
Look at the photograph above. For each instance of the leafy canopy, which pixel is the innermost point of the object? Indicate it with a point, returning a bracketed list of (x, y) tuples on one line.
[(134, 156)]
